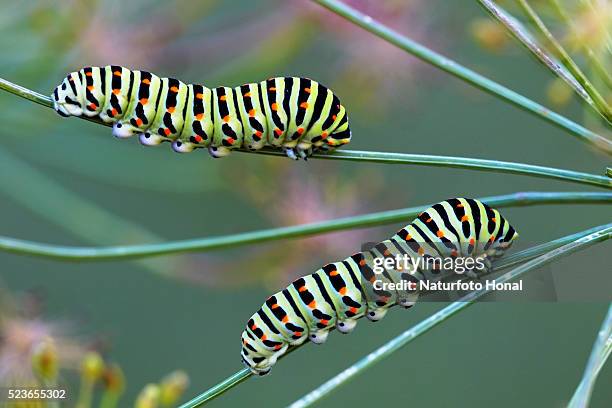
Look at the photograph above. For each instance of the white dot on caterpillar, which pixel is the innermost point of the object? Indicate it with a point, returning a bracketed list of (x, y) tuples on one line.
[(182, 147)]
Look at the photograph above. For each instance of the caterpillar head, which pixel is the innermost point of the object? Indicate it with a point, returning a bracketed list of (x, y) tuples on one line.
[(257, 357), (66, 98)]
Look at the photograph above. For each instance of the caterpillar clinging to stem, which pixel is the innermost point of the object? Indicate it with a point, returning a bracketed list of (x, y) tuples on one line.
[(297, 115), (338, 294)]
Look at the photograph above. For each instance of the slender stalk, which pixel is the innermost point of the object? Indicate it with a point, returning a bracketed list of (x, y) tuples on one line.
[(519, 257), (600, 352), (518, 31), (57, 252), (600, 104), (403, 158), (460, 163), (461, 72), (424, 326), (598, 67)]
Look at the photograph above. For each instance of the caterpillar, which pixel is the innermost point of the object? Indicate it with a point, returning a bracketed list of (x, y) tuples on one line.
[(339, 293), (297, 115)]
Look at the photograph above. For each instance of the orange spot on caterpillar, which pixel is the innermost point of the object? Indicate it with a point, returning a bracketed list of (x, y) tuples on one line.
[(90, 87), (386, 253), (334, 117), (171, 109), (247, 95), (333, 273), (138, 122), (258, 133), (199, 116), (71, 79), (459, 205), (454, 252), (342, 290), (300, 130), (302, 289), (275, 306), (226, 118), (144, 101), (472, 241), (116, 91), (93, 106), (353, 310), (198, 138), (330, 143), (278, 131), (465, 218), (89, 73), (199, 96), (493, 219), (304, 105), (362, 262), (428, 220), (230, 140), (253, 327), (252, 112), (223, 98), (324, 135), (297, 334), (312, 304), (421, 251), (440, 233), (277, 347), (114, 112), (285, 319), (167, 131), (492, 238), (272, 88), (146, 81), (117, 73), (174, 89), (264, 337), (307, 90), (373, 279), (408, 237), (274, 106)]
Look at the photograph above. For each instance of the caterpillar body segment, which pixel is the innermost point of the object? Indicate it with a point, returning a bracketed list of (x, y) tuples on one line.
[(297, 115), (338, 294)]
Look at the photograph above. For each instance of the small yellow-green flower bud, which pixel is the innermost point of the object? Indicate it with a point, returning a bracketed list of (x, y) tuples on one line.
[(92, 367), (558, 92), (45, 360), (148, 397), (172, 387), (489, 34), (114, 380)]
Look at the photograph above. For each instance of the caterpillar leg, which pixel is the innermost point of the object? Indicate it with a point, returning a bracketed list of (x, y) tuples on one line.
[(290, 152), (123, 130), (319, 337), (220, 151), (149, 139), (346, 326), (376, 315), (183, 147)]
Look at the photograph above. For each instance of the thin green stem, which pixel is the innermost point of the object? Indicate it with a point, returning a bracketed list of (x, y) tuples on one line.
[(424, 326), (600, 352), (599, 102), (518, 31), (460, 163), (598, 67), (461, 72), (403, 158), (57, 252), (519, 257)]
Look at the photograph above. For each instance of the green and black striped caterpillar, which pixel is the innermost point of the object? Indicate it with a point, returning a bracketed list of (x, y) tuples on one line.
[(296, 114), (338, 294)]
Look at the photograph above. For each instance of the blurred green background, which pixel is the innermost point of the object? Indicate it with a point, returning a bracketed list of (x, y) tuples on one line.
[(69, 182)]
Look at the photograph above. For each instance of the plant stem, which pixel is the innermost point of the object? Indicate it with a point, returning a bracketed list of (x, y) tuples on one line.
[(460, 162), (518, 31), (600, 352), (461, 72), (402, 158), (519, 257), (424, 326), (57, 252), (599, 102)]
